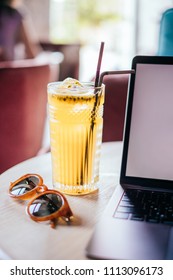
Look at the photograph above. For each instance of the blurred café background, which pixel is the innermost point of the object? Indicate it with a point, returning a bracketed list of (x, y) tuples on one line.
[(127, 27), (69, 32)]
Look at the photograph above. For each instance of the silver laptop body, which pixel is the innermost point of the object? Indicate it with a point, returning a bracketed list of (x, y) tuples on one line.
[(125, 230)]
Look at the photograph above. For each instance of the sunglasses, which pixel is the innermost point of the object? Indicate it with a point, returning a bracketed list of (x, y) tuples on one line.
[(45, 204)]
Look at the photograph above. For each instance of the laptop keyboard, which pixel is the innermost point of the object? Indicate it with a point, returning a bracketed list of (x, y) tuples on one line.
[(149, 206)]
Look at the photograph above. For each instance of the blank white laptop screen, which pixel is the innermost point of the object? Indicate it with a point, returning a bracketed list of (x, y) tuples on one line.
[(150, 150)]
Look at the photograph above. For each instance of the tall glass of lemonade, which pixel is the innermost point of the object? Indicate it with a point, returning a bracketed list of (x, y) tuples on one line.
[(76, 122)]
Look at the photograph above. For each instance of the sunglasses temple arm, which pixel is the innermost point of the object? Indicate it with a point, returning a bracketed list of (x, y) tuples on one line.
[(53, 223), (67, 218)]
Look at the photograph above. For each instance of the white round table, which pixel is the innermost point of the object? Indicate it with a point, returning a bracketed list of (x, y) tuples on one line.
[(22, 238)]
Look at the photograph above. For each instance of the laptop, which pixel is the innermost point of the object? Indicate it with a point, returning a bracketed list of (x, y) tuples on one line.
[(137, 223)]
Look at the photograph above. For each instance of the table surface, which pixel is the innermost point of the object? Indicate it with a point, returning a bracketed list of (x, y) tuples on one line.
[(22, 238)]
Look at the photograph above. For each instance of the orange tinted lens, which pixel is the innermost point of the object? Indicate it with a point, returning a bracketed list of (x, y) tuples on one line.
[(45, 205), (25, 185)]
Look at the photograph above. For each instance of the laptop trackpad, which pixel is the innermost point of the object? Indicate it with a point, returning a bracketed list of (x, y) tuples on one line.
[(129, 240)]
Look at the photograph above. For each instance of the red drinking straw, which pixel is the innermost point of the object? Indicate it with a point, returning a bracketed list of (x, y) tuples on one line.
[(99, 64)]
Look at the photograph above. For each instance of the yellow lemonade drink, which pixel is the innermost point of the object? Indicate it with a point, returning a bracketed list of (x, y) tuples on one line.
[(76, 121)]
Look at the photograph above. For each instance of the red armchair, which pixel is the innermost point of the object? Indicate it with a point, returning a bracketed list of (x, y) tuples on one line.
[(114, 107), (23, 101)]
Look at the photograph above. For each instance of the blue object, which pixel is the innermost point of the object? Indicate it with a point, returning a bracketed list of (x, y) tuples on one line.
[(166, 34)]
